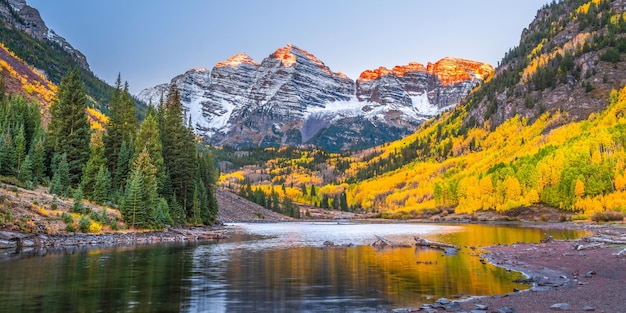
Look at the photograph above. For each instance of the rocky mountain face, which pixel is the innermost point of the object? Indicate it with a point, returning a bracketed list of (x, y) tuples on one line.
[(569, 59), (293, 98), (21, 16)]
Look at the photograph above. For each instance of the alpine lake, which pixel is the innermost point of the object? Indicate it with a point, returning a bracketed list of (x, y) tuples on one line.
[(270, 267)]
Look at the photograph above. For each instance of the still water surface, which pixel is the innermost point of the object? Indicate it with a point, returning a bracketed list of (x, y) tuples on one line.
[(281, 267)]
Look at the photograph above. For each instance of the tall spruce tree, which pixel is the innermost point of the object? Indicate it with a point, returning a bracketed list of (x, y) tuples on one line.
[(69, 131), (102, 185), (120, 128), (149, 138), (179, 153)]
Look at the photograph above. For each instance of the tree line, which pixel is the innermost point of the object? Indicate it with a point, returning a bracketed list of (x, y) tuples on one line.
[(154, 171)]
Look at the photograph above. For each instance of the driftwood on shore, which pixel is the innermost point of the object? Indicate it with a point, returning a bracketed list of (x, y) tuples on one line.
[(422, 242), (381, 242), (602, 239)]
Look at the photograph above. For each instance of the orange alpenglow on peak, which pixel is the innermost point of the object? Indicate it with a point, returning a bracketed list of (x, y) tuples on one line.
[(453, 70), (288, 58), (237, 60), (448, 70), (285, 56), (374, 74)]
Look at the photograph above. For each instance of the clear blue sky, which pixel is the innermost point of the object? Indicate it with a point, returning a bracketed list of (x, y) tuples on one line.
[(151, 41)]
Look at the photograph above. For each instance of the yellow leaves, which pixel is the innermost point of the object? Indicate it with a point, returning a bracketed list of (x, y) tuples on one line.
[(583, 9), (579, 188), (620, 182), (596, 157)]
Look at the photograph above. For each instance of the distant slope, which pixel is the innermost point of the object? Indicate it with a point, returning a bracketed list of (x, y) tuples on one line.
[(24, 35), (569, 59), (236, 209)]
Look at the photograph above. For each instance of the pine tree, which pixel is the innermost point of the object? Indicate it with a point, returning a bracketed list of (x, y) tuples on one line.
[(102, 185), (147, 215), (26, 174), (69, 130), (149, 138), (132, 203), (123, 163), (179, 152), (9, 159), (38, 157), (121, 126), (20, 146), (91, 169), (61, 177), (78, 206)]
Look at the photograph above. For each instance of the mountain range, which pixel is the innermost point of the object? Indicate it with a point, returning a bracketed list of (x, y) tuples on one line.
[(293, 98)]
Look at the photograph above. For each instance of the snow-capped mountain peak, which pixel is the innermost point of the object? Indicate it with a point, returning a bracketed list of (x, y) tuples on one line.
[(293, 98)]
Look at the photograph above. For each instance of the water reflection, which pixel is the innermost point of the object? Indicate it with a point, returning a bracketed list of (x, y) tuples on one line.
[(265, 268), (291, 270), (99, 280)]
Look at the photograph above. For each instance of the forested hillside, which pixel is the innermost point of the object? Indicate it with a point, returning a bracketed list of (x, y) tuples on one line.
[(547, 129), (154, 172)]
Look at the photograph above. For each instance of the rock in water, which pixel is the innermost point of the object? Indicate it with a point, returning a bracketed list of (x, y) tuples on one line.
[(560, 307)]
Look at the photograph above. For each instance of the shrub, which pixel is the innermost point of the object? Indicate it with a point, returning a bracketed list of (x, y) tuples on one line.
[(607, 216), (67, 218), (580, 217), (70, 228), (95, 228), (54, 204), (84, 224)]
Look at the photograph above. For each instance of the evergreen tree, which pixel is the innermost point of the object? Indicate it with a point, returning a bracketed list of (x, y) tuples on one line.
[(20, 146), (144, 173), (69, 130), (149, 138), (26, 174), (38, 158), (121, 126), (179, 152), (132, 203), (61, 177), (123, 163), (78, 206), (102, 185), (9, 159), (91, 169)]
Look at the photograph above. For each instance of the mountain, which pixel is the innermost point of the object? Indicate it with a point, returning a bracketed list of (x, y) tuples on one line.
[(568, 59), (547, 130), (293, 98), (25, 34)]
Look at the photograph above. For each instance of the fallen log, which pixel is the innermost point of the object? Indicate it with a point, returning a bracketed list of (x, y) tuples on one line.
[(422, 242), (621, 252), (381, 242), (588, 246), (605, 239)]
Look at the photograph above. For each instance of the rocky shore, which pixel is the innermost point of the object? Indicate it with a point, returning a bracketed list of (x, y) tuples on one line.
[(14, 242), (584, 275)]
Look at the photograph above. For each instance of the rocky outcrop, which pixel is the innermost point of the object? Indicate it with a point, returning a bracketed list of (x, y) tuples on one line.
[(293, 98), (19, 15)]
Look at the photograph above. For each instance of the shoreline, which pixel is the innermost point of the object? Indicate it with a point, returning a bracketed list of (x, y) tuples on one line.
[(15, 243), (592, 278), (562, 278)]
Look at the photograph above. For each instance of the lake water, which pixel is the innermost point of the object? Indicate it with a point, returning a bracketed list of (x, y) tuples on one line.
[(282, 267)]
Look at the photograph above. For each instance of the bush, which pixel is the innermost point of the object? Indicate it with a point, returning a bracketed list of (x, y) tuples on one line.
[(611, 55), (67, 218), (70, 228), (95, 228), (580, 217), (84, 224), (607, 216)]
